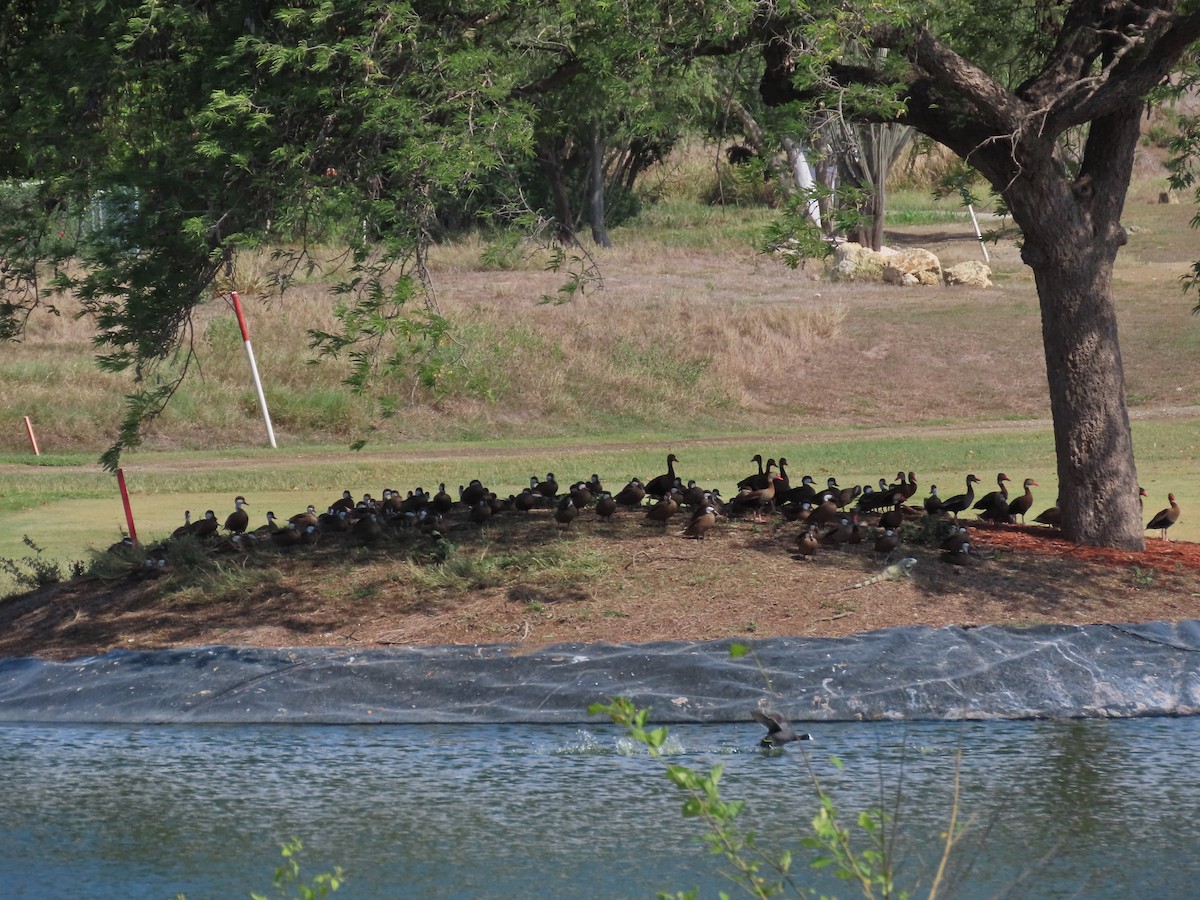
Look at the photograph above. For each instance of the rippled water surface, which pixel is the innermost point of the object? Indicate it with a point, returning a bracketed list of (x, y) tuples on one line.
[(1092, 809)]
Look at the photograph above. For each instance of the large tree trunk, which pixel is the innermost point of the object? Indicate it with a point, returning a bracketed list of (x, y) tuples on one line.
[(1072, 234), (564, 221), (596, 195), (1097, 476)]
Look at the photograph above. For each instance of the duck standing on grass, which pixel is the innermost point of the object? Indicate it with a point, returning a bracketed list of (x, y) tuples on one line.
[(1165, 518), (238, 519)]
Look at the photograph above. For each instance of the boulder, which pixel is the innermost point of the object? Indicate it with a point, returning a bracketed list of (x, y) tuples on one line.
[(971, 274), (854, 262), (913, 267)]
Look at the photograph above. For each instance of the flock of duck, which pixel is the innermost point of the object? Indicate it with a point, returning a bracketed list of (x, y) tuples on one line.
[(829, 517)]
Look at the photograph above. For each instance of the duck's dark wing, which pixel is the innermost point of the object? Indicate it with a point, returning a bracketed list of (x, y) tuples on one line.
[(772, 721)]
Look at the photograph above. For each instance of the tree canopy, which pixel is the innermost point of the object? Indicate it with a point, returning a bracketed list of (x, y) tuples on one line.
[(147, 142)]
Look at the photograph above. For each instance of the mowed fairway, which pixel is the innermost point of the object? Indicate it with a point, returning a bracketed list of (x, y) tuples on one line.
[(68, 523), (695, 346)]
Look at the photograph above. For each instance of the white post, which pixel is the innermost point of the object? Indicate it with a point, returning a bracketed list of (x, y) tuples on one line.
[(978, 233), (262, 398)]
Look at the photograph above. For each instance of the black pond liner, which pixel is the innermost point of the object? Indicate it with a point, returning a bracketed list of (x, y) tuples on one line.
[(914, 673)]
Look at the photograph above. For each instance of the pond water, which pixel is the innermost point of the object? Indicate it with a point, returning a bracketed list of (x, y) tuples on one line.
[(1100, 808)]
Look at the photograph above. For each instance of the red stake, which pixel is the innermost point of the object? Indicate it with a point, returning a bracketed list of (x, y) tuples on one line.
[(32, 439), (128, 508)]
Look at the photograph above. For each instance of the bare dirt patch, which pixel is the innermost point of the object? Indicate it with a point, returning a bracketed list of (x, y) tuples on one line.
[(618, 581)]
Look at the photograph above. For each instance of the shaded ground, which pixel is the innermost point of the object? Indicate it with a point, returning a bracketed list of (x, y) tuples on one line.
[(525, 581)]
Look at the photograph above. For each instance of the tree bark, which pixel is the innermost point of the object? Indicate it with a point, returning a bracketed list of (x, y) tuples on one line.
[(564, 221), (1072, 235), (596, 196)]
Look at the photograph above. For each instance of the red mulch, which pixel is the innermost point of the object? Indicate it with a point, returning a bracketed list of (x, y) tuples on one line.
[(1044, 541)]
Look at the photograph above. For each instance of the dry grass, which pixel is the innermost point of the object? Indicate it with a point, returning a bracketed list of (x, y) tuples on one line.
[(692, 330)]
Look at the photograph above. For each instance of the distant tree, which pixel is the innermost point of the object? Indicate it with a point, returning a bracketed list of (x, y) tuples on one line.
[(202, 128)]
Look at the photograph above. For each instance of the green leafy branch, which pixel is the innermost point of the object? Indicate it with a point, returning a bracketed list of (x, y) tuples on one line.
[(758, 873)]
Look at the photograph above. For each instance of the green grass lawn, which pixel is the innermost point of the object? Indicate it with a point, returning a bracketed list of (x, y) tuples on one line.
[(67, 509)]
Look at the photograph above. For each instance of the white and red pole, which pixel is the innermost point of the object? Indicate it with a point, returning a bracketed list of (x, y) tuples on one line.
[(262, 398), (32, 439)]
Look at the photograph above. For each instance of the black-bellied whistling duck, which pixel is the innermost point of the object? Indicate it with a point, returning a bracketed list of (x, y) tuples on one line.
[(632, 494), (761, 480), (933, 503), (1020, 505), (994, 504), (909, 487), (779, 732), (784, 484), (661, 485), (756, 500), (567, 512), (237, 520), (959, 502), (756, 480), (702, 520), (1051, 517), (963, 556), (1142, 495), (392, 505), (1165, 518)]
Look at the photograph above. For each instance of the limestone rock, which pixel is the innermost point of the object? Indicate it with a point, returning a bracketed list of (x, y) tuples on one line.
[(970, 274), (854, 262), (913, 267)]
